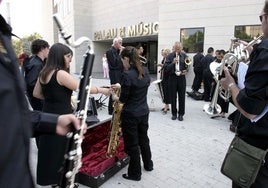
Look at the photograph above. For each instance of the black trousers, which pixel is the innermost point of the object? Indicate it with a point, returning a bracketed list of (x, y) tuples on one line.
[(115, 77), (262, 177), (165, 91), (136, 142), (177, 87), (197, 79), (208, 80), (223, 104)]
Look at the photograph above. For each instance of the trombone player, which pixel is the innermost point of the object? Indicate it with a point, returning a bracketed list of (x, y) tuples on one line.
[(251, 101)]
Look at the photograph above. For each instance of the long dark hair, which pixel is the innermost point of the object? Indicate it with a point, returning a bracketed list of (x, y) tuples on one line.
[(55, 59), (132, 53)]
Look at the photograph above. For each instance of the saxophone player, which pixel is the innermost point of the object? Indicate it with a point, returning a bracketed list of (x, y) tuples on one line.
[(135, 113)]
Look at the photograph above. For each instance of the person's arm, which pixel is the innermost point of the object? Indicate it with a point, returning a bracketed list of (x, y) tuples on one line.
[(229, 84), (45, 123), (37, 92), (102, 90), (67, 80)]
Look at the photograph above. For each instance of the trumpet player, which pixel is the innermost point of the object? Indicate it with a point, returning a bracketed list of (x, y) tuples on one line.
[(177, 69), (251, 101)]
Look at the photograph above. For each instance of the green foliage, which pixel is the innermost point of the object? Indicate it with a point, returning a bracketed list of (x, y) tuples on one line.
[(193, 42), (24, 44)]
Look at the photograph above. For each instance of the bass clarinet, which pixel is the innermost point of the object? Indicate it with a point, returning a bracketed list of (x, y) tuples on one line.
[(73, 155)]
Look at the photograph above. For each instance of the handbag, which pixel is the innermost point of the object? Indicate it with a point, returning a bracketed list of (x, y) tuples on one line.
[(242, 162)]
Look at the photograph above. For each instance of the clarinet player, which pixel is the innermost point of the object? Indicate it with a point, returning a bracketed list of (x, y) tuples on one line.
[(17, 123), (176, 69)]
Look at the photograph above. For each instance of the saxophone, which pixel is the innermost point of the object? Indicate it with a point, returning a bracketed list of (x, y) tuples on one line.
[(116, 130)]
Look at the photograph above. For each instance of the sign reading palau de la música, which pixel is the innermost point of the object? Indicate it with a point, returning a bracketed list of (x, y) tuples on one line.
[(141, 29)]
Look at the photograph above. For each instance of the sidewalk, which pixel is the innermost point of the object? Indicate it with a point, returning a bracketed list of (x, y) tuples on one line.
[(186, 154)]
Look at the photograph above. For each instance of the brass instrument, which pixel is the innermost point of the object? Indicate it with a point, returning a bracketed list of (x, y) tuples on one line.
[(213, 108), (188, 62), (232, 60), (116, 130)]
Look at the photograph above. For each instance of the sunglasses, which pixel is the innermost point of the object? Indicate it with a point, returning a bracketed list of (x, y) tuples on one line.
[(261, 16)]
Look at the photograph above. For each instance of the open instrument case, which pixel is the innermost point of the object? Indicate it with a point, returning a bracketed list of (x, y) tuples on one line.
[(96, 167)]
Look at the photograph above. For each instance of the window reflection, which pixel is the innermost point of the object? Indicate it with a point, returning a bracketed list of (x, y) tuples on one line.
[(247, 32), (192, 39)]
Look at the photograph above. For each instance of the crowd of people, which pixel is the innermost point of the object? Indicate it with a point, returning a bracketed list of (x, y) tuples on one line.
[(173, 82)]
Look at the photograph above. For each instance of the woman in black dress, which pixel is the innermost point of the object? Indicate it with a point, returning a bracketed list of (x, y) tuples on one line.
[(55, 85)]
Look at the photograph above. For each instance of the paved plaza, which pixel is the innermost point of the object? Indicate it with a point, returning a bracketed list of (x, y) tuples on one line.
[(186, 154)]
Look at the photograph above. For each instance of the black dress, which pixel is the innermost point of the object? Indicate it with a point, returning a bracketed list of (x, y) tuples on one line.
[(52, 147)]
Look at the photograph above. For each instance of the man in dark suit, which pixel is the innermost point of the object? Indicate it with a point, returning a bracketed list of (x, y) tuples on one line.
[(115, 66), (198, 70), (176, 68), (198, 78), (207, 75)]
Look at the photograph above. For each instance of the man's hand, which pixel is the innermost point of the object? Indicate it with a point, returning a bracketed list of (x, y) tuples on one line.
[(227, 80), (65, 123)]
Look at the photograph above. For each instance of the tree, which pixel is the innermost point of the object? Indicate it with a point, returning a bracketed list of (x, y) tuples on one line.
[(24, 44)]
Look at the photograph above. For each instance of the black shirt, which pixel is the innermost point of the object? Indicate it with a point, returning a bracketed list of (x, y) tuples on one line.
[(253, 98), (134, 92), (15, 124)]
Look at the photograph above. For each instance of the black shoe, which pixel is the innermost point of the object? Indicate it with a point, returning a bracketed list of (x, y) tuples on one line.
[(232, 128), (164, 112), (149, 168), (174, 117), (180, 118), (131, 178)]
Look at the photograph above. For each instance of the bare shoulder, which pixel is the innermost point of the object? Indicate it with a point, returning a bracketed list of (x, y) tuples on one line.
[(66, 79)]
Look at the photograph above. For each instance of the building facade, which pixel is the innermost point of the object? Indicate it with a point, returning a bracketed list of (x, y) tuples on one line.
[(156, 24)]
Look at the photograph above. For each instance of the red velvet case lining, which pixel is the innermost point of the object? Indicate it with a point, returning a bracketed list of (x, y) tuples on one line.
[(94, 148)]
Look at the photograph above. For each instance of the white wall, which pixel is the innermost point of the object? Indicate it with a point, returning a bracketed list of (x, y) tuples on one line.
[(217, 17)]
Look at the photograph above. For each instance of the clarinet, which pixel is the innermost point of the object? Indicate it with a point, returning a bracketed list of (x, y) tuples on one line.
[(72, 159)]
